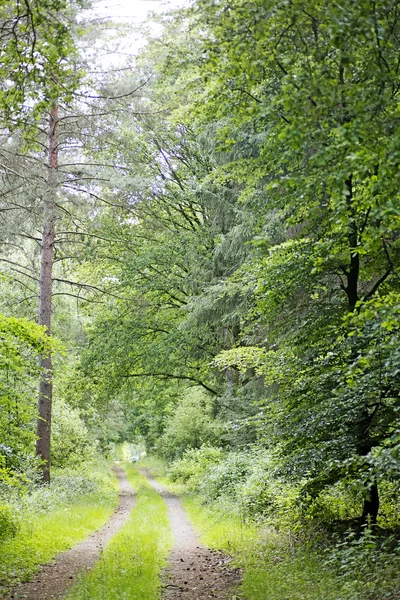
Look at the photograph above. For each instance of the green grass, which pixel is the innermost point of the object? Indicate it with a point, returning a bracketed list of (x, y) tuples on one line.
[(273, 570), (276, 567), (131, 563), (157, 466), (282, 574), (220, 528), (42, 536), (158, 469)]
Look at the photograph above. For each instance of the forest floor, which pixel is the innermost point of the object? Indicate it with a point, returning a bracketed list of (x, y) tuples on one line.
[(55, 578), (194, 572)]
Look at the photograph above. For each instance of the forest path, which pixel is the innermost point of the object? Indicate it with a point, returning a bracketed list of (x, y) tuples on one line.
[(53, 579), (194, 572)]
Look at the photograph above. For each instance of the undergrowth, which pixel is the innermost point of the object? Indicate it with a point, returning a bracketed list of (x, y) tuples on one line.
[(130, 566), (283, 563), (53, 518)]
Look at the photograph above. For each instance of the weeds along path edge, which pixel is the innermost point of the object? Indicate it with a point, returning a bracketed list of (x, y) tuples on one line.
[(55, 578)]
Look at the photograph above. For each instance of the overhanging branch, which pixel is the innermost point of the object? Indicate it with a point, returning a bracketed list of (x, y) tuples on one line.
[(173, 376)]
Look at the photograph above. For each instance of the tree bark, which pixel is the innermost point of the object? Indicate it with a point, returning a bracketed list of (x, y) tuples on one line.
[(354, 270), (371, 505), (45, 298)]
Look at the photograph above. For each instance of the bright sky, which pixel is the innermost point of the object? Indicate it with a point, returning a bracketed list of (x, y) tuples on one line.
[(134, 10)]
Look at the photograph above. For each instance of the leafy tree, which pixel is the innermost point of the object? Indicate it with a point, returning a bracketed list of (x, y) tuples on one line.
[(21, 341), (318, 84), (191, 425), (37, 46)]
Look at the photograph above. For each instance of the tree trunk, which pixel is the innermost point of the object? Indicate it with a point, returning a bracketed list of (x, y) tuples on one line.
[(45, 298), (371, 505), (354, 270)]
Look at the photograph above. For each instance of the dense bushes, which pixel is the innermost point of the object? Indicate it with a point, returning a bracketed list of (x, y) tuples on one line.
[(249, 481), (243, 478), (21, 341), (194, 465)]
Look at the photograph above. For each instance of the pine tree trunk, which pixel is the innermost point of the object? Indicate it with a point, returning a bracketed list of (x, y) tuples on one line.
[(45, 298)]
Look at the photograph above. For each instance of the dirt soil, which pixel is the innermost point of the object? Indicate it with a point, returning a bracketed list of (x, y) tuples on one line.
[(195, 572), (54, 579)]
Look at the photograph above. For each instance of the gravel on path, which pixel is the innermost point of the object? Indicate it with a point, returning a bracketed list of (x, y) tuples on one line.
[(53, 579), (195, 572)]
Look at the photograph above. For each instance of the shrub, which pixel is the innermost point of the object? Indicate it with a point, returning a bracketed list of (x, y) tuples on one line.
[(71, 442), (194, 464), (226, 477), (366, 565), (8, 525), (67, 485)]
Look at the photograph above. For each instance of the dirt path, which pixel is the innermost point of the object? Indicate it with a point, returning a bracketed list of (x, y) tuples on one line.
[(195, 573), (53, 579)]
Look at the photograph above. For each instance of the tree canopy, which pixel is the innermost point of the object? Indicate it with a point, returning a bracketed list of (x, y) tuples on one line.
[(227, 243)]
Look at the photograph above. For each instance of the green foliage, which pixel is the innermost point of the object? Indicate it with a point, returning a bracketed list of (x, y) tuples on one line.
[(221, 526), (8, 525), (355, 568), (269, 560), (191, 425), (194, 464), (156, 465), (367, 567), (286, 139), (247, 481), (224, 478), (249, 243), (20, 343), (71, 441), (38, 45)]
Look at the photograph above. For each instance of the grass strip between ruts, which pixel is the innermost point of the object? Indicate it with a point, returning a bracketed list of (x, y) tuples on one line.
[(42, 537), (130, 566)]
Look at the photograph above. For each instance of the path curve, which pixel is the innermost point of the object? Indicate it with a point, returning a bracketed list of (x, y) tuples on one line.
[(195, 572), (53, 579)]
